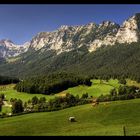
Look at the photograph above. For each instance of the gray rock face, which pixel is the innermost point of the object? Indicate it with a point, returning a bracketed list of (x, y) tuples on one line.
[(67, 38), (9, 49)]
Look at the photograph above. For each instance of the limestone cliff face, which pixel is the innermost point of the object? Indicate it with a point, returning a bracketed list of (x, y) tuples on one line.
[(9, 49), (127, 33), (67, 38)]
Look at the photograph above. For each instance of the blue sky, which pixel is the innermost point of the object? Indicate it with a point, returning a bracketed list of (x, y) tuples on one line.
[(20, 23)]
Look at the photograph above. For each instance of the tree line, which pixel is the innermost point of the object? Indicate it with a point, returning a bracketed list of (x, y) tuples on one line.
[(42, 105), (2, 97), (51, 84), (123, 93), (57, 103), (4, 80)]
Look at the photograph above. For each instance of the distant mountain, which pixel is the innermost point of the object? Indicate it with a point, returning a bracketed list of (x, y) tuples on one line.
[(74, 48), (9, 49)]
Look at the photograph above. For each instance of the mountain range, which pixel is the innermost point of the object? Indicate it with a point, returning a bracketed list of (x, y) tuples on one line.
[(87, 49)]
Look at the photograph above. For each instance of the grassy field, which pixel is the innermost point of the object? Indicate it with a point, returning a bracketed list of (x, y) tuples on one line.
[(95, 90), (104, 119), (11, 93), (98, 87)]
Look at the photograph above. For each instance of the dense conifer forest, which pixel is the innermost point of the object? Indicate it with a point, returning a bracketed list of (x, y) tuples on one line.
[(52, 83), (4, 80), (120, 60)]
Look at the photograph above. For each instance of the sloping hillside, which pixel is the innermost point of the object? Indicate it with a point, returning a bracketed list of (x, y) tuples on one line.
[(104, 119)]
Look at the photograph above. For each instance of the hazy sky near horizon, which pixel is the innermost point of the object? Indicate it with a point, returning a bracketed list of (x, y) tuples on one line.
[(21, 22)]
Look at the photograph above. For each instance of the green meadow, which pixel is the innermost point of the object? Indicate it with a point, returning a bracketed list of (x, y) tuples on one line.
[(97, 88), (104, 119)]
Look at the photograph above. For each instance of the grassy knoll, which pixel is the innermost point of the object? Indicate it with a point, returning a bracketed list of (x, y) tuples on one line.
[(98, 87), (101, 120)]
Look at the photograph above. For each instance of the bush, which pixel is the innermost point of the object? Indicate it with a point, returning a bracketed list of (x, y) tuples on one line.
[(124, 93), (122, 90), (113, 92), (17, 106), (35, 100), (84, 95), (114, 98), (122, 81), (54, 104), (137, 95), (2, 96), (130, 96)]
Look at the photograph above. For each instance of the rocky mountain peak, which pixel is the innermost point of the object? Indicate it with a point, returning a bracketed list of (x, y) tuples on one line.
[(107, 24), (128, 32), (63, 27), (3, 42), (9, 49), (91, 24), (67, 38), (131, 23)]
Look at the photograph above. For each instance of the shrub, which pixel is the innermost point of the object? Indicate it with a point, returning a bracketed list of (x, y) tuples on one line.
[(84, 95), (113, 92), (17, 106), (122, 81)]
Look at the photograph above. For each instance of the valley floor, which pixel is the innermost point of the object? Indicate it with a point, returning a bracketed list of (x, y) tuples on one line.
[(104, 119)]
